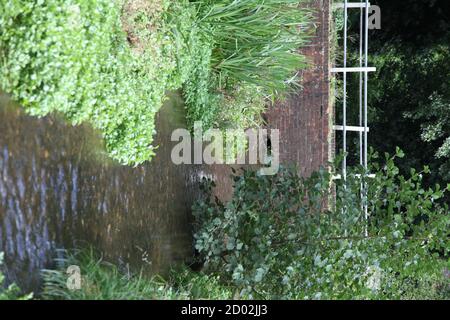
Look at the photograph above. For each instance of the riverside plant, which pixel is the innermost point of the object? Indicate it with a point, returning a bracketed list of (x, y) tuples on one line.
[(102, 280), (286, 237), (253, 59), (111, 63), (257, 41)]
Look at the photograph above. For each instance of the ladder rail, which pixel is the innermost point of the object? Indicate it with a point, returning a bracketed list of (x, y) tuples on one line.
[(353, 69), (350, 5), (344, 105), (366, 75), (363, 69)]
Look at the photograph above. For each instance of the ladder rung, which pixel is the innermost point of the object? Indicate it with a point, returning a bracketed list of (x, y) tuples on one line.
[(350, 5), (339, 177), (350, 128), (355, 69)]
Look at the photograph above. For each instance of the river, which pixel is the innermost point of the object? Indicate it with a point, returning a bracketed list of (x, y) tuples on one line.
[(58, 189)]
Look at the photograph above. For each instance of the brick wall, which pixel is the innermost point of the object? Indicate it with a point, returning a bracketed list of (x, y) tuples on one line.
[(304, 120)]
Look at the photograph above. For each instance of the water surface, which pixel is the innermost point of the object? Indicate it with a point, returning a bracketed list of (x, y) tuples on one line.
[(58, 189)]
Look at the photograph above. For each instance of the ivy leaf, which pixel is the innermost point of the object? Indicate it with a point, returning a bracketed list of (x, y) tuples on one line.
[(399, 152)]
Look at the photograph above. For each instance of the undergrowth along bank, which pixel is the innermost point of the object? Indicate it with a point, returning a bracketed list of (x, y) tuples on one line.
[(278, 239), (111, 63)]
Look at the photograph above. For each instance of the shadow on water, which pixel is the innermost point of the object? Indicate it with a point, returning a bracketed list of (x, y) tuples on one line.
[(58, 189)]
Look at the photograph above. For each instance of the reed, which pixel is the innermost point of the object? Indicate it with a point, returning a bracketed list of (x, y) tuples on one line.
[(257, 41)]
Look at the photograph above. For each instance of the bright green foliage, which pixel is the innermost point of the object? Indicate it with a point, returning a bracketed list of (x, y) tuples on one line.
[(256, 41), (279, 236), (202, 103), (112, 62), (12, 292), (103, 281), (253, 52), (72, 57)]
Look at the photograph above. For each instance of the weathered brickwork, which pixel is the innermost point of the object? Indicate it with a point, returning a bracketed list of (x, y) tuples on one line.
[(304, 120)]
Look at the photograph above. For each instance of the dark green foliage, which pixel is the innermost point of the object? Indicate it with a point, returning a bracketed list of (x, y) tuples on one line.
[(409, 102), (419, 23), (278, 238), (409, 106)]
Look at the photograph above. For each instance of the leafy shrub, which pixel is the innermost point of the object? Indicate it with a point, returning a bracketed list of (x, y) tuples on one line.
[(12, 292), (111, 62), (104, 281), (73, 57), (283, 236)]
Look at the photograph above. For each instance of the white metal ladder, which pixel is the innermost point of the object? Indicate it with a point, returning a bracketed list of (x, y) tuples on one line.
[(363, 69)]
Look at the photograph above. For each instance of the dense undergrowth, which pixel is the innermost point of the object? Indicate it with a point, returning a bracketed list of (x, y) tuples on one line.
[(103, 280), (112, 62), (279, 238)]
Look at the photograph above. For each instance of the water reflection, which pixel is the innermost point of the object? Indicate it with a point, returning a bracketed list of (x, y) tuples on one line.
[(58, 188)]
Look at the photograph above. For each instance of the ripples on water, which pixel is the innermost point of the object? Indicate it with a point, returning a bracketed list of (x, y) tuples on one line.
[(59, 190)]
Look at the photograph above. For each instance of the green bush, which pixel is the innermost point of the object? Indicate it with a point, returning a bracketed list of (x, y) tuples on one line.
[(112, 62), (73, 57), (284, 236)]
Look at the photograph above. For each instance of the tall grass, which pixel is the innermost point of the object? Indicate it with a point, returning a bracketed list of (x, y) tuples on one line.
[(102, 280), (257, 41)]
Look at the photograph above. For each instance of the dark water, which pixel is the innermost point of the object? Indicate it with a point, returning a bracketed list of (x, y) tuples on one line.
[(59, 190)]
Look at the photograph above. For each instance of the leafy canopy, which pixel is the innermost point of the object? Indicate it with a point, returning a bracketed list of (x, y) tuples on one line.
[(284, 236)]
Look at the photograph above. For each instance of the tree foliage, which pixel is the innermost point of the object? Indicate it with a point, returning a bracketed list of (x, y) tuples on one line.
[(409, 104), (283, 237)]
